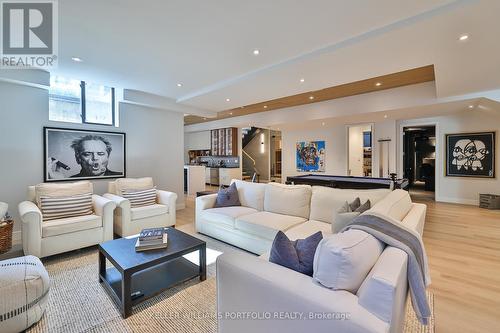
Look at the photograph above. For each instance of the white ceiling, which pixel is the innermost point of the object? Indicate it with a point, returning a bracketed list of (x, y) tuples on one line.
[(152, 45)]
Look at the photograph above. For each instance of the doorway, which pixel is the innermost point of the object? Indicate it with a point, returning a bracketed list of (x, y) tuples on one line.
[(419, 160), (359, 138)]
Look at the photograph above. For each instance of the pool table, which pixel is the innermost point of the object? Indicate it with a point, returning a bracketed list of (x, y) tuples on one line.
[(349, 182)]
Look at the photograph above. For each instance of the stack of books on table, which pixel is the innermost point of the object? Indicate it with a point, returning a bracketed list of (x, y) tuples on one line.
[(150, 239)]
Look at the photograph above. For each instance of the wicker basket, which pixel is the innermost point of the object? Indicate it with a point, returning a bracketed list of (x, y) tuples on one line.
[(489, 201), (6, 235)]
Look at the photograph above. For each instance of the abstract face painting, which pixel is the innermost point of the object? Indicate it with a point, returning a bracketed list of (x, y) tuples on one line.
[(310, 156), (471, 154)]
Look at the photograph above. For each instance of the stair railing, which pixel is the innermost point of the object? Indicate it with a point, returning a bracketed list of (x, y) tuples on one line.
[(256, 174)]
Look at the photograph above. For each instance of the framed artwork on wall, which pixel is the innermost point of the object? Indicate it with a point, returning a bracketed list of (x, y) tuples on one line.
[(470, 155), (71, 154), (310, 156)]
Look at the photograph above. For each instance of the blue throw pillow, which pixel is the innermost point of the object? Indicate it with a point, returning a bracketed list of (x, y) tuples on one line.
[(227, 197), (297, 255)]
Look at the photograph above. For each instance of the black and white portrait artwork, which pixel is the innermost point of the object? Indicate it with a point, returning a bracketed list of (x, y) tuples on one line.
[(470, 155), (78, 154)]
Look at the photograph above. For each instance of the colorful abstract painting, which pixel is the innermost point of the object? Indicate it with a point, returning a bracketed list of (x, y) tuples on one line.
[(310, 156)]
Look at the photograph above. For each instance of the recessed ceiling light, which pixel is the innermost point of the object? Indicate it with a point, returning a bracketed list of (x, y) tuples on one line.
[(463, 38), (385, 116), (311, 97), (378, 84), (256, 52), (228, 100), (76, 59), (302, 80), (179, 84), (265, 106), (471, 106), (323, 124)]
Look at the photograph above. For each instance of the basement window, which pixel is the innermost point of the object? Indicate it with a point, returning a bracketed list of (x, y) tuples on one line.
[(81, 102)]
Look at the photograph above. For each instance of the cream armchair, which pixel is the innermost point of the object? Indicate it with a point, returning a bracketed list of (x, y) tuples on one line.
[(130, 221), (43, 239)]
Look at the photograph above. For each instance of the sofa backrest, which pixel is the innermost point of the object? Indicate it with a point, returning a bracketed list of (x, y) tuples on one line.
[(395, 205), (325, 201), (291, 200), (250, 194)]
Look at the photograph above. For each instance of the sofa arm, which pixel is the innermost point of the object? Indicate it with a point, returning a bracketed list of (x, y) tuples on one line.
[(385, 289), (415, 219), (104, 207), (31, 217), (250, 285), (169, 199), (120, 202), (205, 202)]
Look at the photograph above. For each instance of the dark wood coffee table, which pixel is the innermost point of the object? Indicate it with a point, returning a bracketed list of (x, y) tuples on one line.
[(150, 272)]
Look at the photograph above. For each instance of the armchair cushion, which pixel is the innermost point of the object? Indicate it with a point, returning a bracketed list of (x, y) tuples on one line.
[(133, 184), (54, 208), (138, 213), (139, 198), (70, 224), (62, 190)]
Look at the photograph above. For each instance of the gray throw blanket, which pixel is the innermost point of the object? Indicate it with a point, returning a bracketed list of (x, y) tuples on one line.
[(394, 233)]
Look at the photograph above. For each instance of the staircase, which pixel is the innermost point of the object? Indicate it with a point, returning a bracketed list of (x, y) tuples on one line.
[(249, 171)]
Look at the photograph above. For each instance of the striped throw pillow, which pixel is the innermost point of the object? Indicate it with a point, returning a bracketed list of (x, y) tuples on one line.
[(139, 198), (62, 207)]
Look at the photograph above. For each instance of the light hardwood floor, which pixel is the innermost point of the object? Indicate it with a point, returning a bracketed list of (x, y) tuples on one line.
[(463, 246)]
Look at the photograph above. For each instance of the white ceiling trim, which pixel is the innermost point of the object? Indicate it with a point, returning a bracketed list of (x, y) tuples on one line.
[(141, 98)]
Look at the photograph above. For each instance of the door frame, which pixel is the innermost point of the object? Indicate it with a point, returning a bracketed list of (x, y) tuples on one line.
[(347, 126), (438, 169)]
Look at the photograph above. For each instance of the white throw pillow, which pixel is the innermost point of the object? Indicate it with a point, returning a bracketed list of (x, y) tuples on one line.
[(342, 261)]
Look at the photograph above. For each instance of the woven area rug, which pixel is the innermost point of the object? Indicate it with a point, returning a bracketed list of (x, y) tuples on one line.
[(78, 303)]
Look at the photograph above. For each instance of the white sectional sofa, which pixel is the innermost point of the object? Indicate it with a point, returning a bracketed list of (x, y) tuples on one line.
[(297, 210), (250, 286)]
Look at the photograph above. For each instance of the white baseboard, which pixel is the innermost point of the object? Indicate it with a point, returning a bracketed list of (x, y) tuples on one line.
[(180, 206), (16, 237), (462, 201)]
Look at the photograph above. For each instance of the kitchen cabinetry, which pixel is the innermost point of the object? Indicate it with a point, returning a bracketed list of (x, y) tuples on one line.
[(224, 141), (207, 175), (228, 174)]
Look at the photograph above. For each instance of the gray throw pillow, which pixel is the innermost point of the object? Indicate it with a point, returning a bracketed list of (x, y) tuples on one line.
[(364, 207), (355, 204), (345, 208), (227, 197), (342, 220), (297, 255)]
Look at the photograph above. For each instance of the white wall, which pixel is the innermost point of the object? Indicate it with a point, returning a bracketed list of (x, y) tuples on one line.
[(195, 141), (335, 137), (460, 189), (335, 147), (154, 144)]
